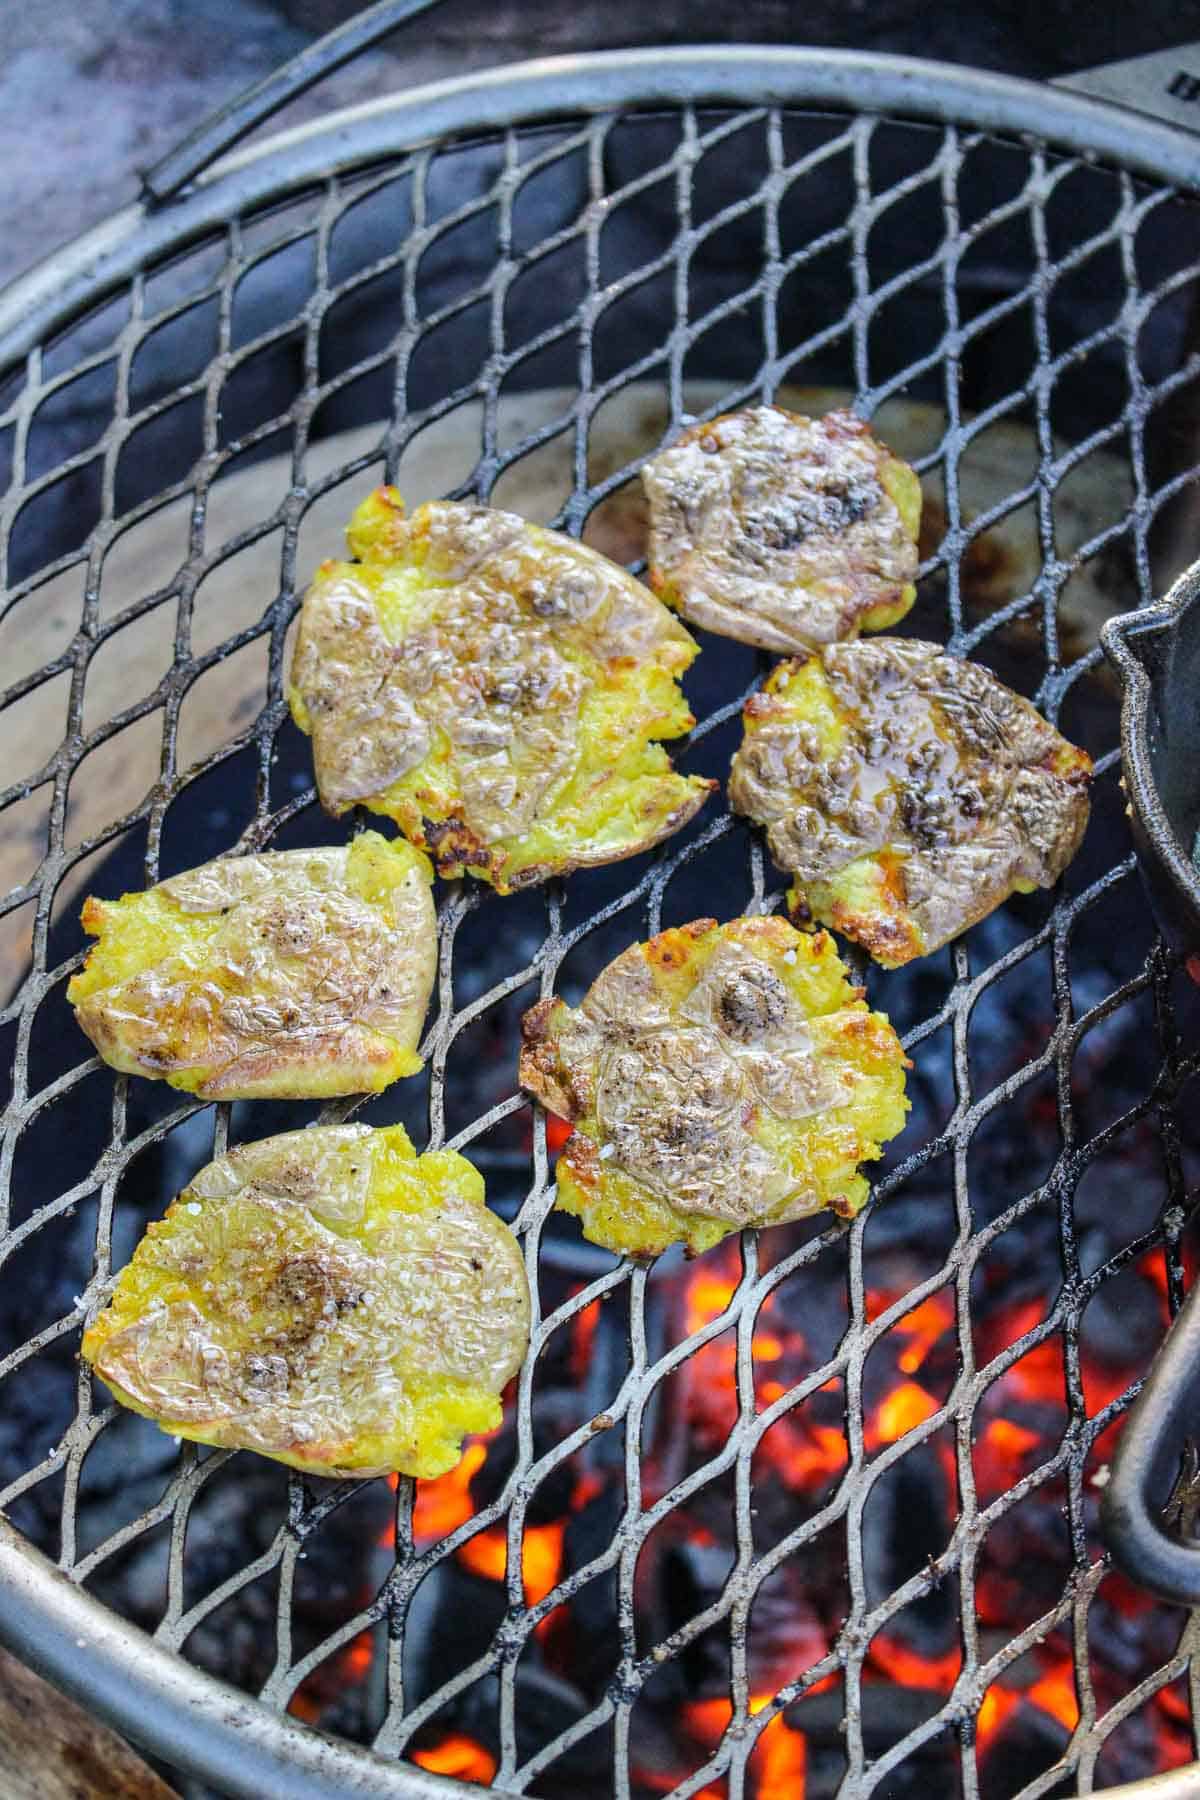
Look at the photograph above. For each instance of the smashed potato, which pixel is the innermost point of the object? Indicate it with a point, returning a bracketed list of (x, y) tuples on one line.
[(783, 531), (717, 1076), (909, 792), (298, 973), (327, 1298), (495, 688)]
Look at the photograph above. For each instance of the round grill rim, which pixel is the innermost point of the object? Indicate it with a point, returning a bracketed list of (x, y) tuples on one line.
[(203, 1726)]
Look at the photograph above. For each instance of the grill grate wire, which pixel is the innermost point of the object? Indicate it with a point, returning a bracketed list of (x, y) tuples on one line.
[(309, 229)]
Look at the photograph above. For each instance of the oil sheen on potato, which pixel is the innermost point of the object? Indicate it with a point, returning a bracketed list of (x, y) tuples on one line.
[(909, 792), (327, 1298), (783, 531), (496, 689), (297, 974), (717, 1076)]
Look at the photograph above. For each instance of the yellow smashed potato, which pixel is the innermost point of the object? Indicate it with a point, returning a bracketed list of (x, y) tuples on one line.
[(717, 1076), (299, 974), (496, 689), (783, 531), (327, 1298), (909, 792)]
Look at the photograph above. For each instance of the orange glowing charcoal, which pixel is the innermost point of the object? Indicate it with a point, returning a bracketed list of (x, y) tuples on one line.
[(707, 1719), (486, 1553), (458, 1755), (1039, 1374), (1153, 1265), (779, 1761), (766, 1347), (901, 1411), (1005, 1327), (708, 1295), (816, 1457), (1009, 1439), (908, 1667), (1055, 1693), (582, 1336), (541, 1559), (320, 1690), (445, 1503), (998, 1703), (924, 1327), (1175, 1705), (1002, 1454)]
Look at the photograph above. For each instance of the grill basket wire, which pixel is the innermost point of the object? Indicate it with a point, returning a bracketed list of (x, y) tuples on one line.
[(63, 520)]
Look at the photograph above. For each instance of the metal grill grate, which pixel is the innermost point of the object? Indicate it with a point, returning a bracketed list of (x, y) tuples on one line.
[(180, 374)]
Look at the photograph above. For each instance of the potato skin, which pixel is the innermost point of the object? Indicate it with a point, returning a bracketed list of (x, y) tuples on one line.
[(908, 791), (495, 688), (298, 974), (326, 1298), (783, 531), (718, 1076)]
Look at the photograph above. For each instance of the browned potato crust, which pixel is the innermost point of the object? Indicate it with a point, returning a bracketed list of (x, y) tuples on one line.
[(327, 1298), (495, 688), (717, 1076), (908, 791), (783, 531), (298, 974)]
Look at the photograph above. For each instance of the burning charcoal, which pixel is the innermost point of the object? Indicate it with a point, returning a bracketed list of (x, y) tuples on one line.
[(1029, 1743)]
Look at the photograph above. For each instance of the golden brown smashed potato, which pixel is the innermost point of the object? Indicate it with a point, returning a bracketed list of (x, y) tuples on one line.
[(909, 792), (496, 689), (298, 973), (717, 1076), (783, 531), (327, 1298)]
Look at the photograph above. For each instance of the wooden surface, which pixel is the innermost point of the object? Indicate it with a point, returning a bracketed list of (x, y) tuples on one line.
[(50, 1749)]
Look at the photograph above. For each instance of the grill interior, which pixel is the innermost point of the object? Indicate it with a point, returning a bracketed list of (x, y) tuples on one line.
[(751, 1523)]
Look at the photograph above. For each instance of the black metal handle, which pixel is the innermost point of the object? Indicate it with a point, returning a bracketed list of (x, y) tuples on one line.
[(1164, 1417), (224, 127)]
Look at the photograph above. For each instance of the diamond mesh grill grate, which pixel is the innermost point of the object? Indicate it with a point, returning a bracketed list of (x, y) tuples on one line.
[(821, 262)]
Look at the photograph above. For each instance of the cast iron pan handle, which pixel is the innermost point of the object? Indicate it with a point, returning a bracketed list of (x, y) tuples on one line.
[(246, 110), (1147, 1485)]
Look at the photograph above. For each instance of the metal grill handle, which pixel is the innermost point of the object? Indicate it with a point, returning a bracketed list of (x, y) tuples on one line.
[(226, 127), (1132, 1507), (1146, 84)]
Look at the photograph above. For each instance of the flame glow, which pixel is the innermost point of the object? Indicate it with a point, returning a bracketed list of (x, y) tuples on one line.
[(911, 1669), (486, 1554), (458, 1755), (803, 1452), (443, 1504), (923, 1328), (780, 1761), (709, 1293), (898, 1413)]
